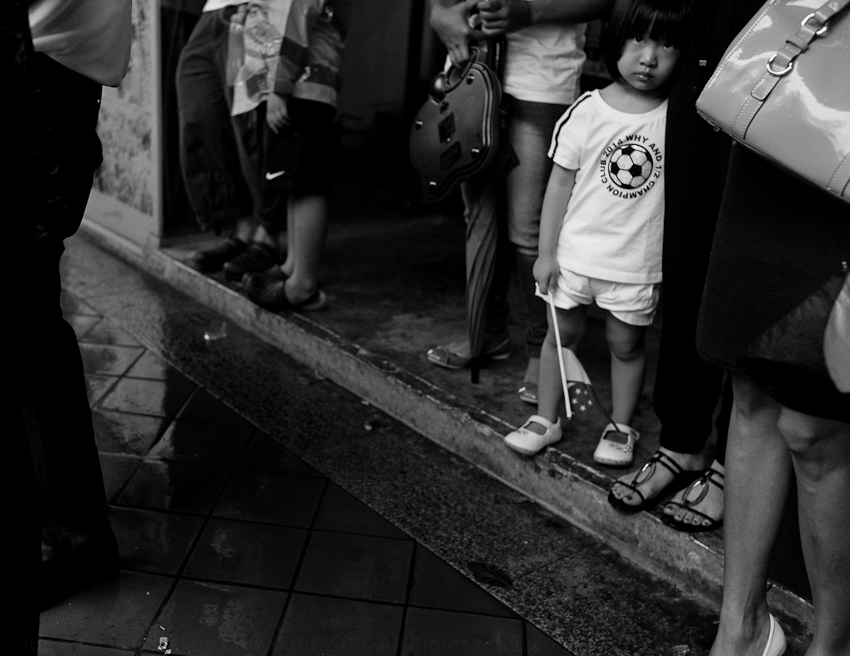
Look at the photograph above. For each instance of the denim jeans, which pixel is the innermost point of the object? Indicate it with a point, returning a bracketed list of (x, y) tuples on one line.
[(219, 153)]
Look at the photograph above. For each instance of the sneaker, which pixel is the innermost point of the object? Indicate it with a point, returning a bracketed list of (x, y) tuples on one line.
[(255, 258), (528, 442), (210, 260), (619, 452)]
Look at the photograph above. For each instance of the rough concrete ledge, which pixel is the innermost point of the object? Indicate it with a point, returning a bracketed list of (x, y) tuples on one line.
[(566, 487)]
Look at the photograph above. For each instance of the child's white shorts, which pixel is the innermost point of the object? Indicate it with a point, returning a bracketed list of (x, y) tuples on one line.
[(631, 303)]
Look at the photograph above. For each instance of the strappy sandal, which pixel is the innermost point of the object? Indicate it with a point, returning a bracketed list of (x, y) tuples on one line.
[(709, 477), (456, 356), (681, 478)]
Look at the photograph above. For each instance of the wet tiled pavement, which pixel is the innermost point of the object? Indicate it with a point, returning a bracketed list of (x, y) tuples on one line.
[(231, 544)]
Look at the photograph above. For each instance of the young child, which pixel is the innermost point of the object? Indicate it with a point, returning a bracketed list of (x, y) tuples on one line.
[(602, 220)]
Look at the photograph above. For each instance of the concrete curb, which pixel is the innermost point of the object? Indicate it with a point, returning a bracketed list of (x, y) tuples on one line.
[(567, 488)]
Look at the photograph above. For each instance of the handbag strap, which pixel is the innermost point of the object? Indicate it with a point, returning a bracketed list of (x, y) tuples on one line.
[(812, 26), (781, 63)]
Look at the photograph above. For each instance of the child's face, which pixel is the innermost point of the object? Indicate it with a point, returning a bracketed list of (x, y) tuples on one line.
[(646, 64)]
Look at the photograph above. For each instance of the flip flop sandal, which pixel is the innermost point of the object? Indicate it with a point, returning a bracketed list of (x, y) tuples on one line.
[(528, 393), (444, 356), (681, 478), (709, 477)]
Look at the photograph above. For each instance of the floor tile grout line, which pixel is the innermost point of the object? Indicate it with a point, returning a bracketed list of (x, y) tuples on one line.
[(178, 576), (297, 570), (410, 580), (524, 633), (310, 531), (106, 392), (148, 347), (67, 641)]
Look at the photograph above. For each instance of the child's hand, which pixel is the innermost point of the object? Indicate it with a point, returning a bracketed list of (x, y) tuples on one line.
[(277, 116), (546, 272)]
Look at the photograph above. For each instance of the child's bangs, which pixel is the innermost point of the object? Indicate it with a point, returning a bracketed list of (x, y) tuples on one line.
[(663, 21)]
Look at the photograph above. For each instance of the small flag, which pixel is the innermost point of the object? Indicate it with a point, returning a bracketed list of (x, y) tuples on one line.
[(578, 393), (579, 396)]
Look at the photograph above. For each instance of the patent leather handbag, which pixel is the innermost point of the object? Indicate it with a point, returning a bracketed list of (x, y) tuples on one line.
[(783, 89), (455, 134)]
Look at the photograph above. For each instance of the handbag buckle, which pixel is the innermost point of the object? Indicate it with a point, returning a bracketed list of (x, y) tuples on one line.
[(819, 32), (784, 71)]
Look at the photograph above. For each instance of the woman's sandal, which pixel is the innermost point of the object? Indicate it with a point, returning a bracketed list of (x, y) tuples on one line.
[(528, 393), (709, 477), (681, 478), (270, 293), (449, 356)]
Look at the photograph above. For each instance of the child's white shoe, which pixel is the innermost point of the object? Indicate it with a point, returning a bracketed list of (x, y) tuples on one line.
[(526, 441), (616, 454)]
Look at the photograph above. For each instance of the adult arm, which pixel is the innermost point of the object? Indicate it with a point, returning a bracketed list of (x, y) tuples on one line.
[(503, 16), (450, 20), (557, 197)]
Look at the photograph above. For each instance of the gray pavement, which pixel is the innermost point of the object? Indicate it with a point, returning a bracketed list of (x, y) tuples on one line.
[(395, 283)]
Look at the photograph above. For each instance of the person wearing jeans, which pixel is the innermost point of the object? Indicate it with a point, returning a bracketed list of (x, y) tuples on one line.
[(543, 60)]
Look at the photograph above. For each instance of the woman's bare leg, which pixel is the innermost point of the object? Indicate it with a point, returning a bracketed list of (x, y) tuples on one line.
[(820, 452), (758, 479)]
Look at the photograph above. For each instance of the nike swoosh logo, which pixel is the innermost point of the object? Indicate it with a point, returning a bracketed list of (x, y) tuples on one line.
[(272, 176)]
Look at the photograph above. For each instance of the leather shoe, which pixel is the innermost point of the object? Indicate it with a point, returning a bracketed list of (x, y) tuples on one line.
[(616, 454), (528, 442)]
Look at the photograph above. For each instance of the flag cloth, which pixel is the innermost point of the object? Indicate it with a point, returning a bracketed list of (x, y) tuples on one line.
[(578, 394)]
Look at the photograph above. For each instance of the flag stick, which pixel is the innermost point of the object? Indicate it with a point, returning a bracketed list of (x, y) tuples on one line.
[(560, 356)]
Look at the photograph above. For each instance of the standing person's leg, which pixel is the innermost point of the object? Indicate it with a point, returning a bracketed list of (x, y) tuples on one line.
[(309, 227), (686, 411), (78, 546), (265, 249), (296, 285), (529, 132), (631, 310), (758, 480), (627, 345), (544, 428), (820, 453), (212, 161)]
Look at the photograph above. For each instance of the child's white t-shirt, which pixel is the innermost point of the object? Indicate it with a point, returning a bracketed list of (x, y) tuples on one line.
[(614, 223)]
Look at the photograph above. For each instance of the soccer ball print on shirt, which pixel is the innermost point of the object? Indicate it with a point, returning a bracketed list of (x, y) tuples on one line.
[(630, 167)]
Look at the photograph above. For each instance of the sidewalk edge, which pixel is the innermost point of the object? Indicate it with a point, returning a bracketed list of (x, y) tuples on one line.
[(567, 488)]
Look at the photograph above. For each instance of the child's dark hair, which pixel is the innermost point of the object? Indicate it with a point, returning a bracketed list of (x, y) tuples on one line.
[(665, 20)]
